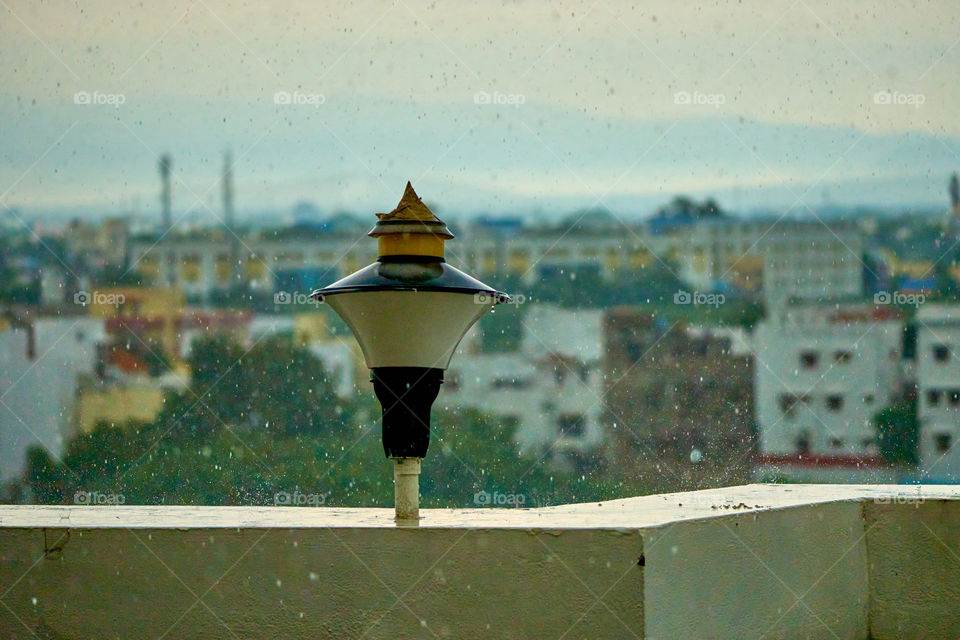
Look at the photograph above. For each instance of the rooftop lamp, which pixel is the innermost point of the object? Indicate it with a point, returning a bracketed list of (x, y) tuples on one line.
[(408, 310)]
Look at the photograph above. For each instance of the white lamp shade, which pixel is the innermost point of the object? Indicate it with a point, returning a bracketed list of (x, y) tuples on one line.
[(397, 328)]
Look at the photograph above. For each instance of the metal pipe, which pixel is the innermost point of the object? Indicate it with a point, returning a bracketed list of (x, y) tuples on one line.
[(406, 488)]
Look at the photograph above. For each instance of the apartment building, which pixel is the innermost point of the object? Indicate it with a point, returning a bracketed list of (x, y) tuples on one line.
[(787, 259), (548, 391), (675, 392), (822, 372), (938, 391), (40, 363)]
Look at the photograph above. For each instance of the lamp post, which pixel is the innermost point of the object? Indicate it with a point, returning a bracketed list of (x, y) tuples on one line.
[(408, 310)]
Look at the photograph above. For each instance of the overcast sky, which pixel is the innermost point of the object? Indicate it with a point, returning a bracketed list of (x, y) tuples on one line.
[(513, 107)]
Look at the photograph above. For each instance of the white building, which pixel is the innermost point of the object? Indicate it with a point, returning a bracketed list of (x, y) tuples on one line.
[(802, 260), (38, 385), (822, 373), (340, 363), (812, 262), (549, 391), (798, 260), (938, 390)]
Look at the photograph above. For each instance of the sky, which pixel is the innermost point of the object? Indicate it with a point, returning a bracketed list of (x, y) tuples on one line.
[(514, 108)]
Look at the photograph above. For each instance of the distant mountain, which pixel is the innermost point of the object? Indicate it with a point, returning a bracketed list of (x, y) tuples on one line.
[(532, 160)]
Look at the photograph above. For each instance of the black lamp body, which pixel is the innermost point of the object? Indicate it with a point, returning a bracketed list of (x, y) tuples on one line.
[(406, 395)]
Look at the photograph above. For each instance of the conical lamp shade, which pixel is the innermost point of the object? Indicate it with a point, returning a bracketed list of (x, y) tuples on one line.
[(409, 328), (409, 314)]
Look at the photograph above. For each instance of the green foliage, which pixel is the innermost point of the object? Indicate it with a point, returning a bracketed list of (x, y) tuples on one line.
[(252, 425), (898, 432), (684, 207), (44, 475)]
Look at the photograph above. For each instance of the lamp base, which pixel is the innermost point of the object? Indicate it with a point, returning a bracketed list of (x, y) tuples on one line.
[(406, 488), (406, 395)]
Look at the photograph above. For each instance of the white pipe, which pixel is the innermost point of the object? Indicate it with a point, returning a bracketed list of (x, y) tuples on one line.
[(406, 488)]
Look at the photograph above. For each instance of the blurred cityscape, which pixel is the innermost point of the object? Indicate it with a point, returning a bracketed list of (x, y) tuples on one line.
[(689, 347)]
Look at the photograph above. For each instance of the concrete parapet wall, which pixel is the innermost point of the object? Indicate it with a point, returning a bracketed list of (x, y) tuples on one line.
[(774, 561)]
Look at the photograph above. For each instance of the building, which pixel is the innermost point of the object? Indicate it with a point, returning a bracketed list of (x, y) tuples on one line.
[(798, 260), (293, 260), (676, 393), (938, 391), (41, 361), (788, 259), (96, 245), (118, 405), (548, 391), (811, 262), (822, 372)]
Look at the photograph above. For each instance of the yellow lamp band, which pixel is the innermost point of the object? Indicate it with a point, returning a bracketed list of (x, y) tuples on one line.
[(410, 244)]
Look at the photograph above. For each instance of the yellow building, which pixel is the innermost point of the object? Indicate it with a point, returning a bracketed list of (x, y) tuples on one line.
[(310, 327), (118, 406), (151, 312), (745, 272), (908, 268)]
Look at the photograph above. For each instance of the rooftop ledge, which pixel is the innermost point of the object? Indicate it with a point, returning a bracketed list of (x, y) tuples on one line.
[(774, 561)]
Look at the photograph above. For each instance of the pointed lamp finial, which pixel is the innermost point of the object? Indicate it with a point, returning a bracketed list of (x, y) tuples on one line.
[(411, 229)]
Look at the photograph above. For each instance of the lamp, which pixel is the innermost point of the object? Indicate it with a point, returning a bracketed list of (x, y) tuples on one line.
[(408, 310)]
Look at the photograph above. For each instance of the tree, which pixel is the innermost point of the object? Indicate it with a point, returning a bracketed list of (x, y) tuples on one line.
[(289, 390), (44, 477), (898, 431)]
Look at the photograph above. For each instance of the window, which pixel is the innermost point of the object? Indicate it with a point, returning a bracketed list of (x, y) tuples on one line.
[(868, 399), (803, 443), (559, 375), (954, 396), (510, 382), (941, 353), (842, 357), (933, 397), (835, 402), (571, 425), (809, 359), (836, 443), (941, 442), (788, 403)]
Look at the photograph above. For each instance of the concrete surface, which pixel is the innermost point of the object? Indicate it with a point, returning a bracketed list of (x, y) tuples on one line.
[(773, 561)]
